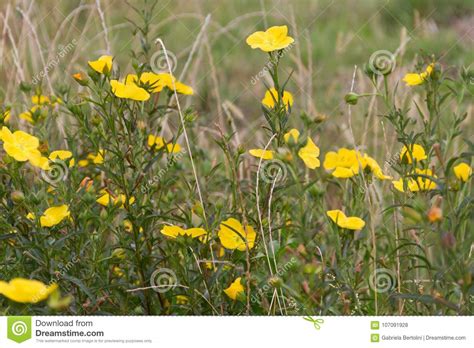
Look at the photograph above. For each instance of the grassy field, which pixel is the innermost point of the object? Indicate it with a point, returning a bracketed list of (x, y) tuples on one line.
[(147, 168)]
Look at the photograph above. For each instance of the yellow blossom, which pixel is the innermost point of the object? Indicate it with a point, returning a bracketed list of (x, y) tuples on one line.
[(309, 154), (106, 198), (344, 163), (271, 95), (343, 221), (234, 236), (291, 136), (175, 231), (156, 143), (273, 39), (96, 158), (235, 289), (129, 91), (414, 79), (462, 171), (103, 65), (417, 182), (417, 151), (263, 154), (54, 215), (26, 290)]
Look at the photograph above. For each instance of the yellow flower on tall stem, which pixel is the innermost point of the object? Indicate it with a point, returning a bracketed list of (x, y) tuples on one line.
[(273, 39), (26, 290)]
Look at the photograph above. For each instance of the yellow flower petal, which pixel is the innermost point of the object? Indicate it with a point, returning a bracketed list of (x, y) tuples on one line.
[(54, 215), (462, 171), (343, 221), (417, 151), (235, 289), (172, 231), (103, 65), (275, 38), (26, 290), (309, 154), (271, 95), (292, 135), (128, 91), (233, 236), (263, 154)]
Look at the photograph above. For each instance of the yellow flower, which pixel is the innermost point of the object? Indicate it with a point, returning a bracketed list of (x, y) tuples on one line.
[(345, 163), (175, 231), (414, 79), (375, 168), (309, 154), (343, 221), (234, 236), (462, 171), (40, 100), (263, 154), (129, 91), (96, 159), (271, 95), (167, 80), (6, 116), (415, 150), (54, 215), (39, 161), (62, 155), (182, 299), (418, 183), (292, 135), (103, 65), (156, 143), (273, 39), (235, 289), (26, 290), (119, 200), (19, 145), (31, 216)]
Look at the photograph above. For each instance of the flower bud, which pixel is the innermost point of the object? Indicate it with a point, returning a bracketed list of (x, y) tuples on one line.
[(351, 98), (17, 197)]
